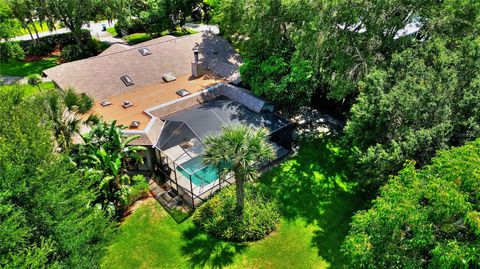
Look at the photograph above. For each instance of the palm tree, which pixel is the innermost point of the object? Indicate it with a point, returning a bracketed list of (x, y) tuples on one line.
[(65, 110), (238, 149)]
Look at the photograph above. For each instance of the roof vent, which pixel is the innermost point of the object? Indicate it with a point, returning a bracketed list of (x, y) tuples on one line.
[(127, 104), (134, 124), (183, 92), (127, 80), (144, 51), (105, 103), (169, 77)]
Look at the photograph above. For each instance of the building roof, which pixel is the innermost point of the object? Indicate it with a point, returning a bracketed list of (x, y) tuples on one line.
[(151, 96), (100, 76), (148, 97), (208, 118)]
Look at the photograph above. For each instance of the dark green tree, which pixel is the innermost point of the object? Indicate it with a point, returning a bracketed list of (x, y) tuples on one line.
[(47, 217), (426, 99), (425, 218)]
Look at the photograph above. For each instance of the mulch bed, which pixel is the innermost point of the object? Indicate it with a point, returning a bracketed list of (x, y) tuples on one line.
[(33, 58)]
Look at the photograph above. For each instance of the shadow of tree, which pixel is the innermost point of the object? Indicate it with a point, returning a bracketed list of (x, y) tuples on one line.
[(317, 185), (206, 251)]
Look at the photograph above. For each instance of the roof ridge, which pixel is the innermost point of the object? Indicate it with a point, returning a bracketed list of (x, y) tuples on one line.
[(137, 46)]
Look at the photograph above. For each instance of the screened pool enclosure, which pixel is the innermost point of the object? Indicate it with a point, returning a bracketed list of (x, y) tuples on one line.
[(180, 144)]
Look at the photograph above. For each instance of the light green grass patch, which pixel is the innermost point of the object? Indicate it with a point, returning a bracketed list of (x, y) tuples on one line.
[(137, 38), (112, 31), (23, 68)]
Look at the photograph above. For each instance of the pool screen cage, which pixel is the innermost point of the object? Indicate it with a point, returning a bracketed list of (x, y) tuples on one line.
[(180, 145)]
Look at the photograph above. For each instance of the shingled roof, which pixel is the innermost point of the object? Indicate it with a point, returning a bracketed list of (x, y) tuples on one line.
[(100, 76)]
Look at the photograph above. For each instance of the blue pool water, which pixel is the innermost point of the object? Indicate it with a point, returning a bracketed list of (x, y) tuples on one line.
[(202, 177)]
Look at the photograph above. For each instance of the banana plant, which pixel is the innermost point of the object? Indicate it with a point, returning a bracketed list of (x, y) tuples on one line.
[(107, 149)]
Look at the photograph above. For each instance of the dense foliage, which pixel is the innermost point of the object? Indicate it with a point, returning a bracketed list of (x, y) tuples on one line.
[(103, 160), (426, 99), (46, 213), (239, 150), (330, 45), (64, 110), (219, 217), (423, 218), (153, 16)]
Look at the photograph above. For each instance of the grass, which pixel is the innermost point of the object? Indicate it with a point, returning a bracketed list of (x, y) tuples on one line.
[(23, 68), (317, 199), (41, 27), (28, 89), (112, 31), (137, 38)]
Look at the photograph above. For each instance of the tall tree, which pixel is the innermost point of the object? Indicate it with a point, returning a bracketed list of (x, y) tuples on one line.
[(47, 218), (238, 149), (74, 14), (426, 99), (427, 218), (8, 24)]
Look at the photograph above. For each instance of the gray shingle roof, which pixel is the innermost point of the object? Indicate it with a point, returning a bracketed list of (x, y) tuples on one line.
[(100, 76)]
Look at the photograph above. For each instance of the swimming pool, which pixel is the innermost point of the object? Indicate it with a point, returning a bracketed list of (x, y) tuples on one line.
[(202, 177)]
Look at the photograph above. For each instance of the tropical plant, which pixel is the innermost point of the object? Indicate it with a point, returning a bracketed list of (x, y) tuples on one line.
[(35, 80), (238, 149), (64, 109), (104, 157)]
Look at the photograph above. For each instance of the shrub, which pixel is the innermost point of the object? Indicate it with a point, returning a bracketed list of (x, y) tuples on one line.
[(75, 52), (72, 53), (11, 51), (219, 217), (50, 43), (131, 26), (138, 190), (34, 79), (137, 38)]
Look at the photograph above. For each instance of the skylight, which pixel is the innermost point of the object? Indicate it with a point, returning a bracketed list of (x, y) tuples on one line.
[(127, 80), (144, 51)]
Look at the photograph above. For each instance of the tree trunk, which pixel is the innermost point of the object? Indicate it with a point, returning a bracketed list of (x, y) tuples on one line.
[(35, 29), (30, 33), (240, 193)]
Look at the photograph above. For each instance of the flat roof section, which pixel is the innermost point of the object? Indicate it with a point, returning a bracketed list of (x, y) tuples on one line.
[(149, 97)]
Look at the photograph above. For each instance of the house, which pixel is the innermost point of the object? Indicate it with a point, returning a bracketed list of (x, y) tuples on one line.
[(173, 92)]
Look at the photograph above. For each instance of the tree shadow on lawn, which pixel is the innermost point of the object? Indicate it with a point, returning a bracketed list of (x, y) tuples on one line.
[(203, 250), (317, 185)]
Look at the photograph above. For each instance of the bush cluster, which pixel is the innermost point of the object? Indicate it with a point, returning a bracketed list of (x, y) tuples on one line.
[(50, 43), (220, 218), (11, 51), (129, 27), (75, 52), (138, 190)]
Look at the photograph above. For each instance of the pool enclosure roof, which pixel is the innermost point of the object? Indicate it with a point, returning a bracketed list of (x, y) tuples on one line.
[(190, 127)]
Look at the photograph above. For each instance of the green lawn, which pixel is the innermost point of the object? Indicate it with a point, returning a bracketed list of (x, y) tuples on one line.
[(112, 31), (137, 38), (23, 69), (142, 37), (317, 201)]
